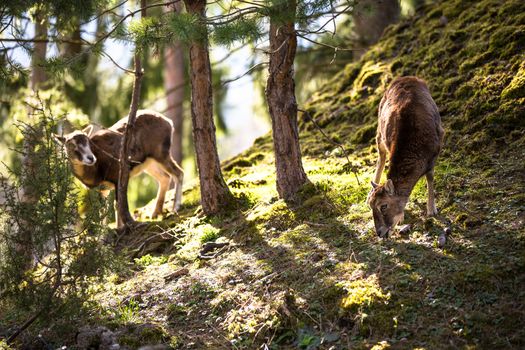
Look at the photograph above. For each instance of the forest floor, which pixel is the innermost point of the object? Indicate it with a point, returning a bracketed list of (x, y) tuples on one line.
[(314, 275)]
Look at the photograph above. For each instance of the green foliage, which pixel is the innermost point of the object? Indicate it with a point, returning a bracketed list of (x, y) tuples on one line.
[(208, 233), (63, 10), (49, 253), (186, 27), (4, 345), (309, 11), (239, 32), (147, 260), (127, 312), (154, 32)]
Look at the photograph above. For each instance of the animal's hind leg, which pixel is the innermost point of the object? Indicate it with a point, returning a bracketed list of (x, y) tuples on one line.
[(431, 202), (118, 218), (380, 162), (163, 180), (177, 173)]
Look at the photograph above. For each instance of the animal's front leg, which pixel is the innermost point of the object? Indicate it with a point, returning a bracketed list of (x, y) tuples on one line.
[(380, 166), (178, 192), (431, 202)]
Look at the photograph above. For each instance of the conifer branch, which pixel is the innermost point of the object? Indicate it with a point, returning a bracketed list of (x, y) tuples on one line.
[(131, 14)]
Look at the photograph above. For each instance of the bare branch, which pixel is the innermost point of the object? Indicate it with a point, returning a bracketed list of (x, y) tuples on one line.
[(336, 48), (52, 40), (251, 69), (106, 11), (128, 71)]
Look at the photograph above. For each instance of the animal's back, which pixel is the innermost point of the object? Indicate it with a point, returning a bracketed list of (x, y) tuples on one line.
[(149, 126), (410, 127)]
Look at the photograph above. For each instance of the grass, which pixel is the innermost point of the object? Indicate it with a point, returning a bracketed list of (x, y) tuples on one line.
[(314, 275)]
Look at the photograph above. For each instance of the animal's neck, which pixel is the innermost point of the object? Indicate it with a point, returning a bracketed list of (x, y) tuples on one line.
[(403, 185), (86, 174), (405, 174)]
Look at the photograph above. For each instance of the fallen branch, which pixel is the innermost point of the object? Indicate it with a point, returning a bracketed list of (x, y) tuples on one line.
[(176, 274), (210, 246)]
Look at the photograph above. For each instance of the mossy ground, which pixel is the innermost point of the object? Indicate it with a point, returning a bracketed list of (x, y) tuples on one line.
[(314, 275)]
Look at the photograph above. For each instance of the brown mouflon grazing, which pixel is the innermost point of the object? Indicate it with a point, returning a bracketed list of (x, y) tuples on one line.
[(94, 156), (409, 130)]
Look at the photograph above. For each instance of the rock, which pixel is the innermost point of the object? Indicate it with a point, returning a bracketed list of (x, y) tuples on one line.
[(443, 21), (96, 337), (155, 347)]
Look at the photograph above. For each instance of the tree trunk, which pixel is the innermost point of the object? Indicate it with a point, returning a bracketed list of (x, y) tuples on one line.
[(370, 18), (124, 219), (29, 193), (174, 84), (38, 75), (74, 47), (215, 194), (280, 93)]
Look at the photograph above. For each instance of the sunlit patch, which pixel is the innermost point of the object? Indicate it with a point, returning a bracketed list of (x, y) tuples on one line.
[(362, 293)]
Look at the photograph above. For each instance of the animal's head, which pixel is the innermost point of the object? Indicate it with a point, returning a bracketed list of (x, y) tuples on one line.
[(387, 207), (78, 146)]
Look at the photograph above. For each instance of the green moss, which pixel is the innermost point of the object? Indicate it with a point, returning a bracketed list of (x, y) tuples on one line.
[(362, 293), (370, 76), (238, 163), (516, 88), (507, 40), (147, 260), (318, 264), (364, 134)]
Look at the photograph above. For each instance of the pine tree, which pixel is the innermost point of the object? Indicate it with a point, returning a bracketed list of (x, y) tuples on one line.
[(124, 219), (215, 194), (174, 83), (280, 93)]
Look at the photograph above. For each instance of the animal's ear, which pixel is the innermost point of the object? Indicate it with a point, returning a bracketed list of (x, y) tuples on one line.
[(88, 130), (389, 186), (374, 185), (58, 138)]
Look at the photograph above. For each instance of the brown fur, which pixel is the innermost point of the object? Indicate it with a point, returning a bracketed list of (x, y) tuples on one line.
[(409, 130), (150, 152)]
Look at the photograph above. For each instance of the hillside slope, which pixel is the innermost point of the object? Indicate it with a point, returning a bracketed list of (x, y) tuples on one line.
[(314, 275)]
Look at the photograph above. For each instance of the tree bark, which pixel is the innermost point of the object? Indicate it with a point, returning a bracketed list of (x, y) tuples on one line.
[(370, 18), (280, 93), (124, 219), (38, 75), (215, 194), (30, 196), (174, 83)]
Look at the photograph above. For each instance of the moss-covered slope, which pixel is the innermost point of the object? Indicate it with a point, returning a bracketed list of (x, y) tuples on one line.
[(314, 275)]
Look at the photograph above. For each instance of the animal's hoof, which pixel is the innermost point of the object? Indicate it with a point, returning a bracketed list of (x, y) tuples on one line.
[(442, 240), (405, 229), (384, 234), (432, 212)]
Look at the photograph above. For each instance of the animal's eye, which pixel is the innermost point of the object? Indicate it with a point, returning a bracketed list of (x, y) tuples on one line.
[(383, 207)]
